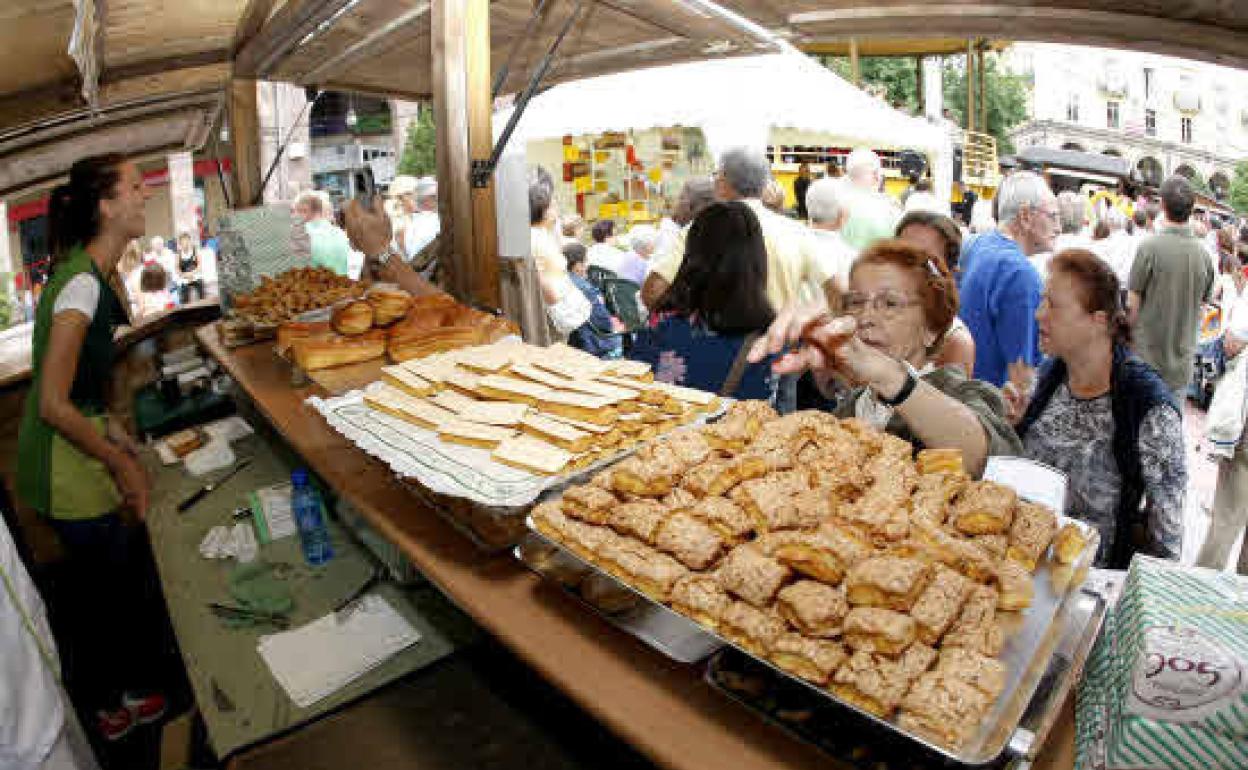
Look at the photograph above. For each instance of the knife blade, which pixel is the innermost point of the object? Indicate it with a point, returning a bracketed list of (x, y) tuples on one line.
[(203, 491)]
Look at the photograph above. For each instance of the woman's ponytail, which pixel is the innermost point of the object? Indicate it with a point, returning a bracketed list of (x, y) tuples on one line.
[(74, 208)]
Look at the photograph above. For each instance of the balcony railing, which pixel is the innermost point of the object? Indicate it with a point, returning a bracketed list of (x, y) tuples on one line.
[(979, 159)]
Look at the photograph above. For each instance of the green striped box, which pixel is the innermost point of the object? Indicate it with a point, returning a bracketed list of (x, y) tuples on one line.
[(1167, 684)]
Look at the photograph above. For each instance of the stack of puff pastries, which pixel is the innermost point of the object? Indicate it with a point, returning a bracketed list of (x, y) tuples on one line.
[(826, 547)]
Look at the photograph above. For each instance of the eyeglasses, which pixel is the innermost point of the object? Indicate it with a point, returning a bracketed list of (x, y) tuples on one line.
[(887, 303)]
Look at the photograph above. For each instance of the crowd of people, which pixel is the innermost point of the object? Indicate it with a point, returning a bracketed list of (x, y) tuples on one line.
[(156, 277), (1050, 326)]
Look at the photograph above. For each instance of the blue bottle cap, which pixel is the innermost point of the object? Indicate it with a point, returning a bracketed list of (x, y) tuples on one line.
[(299, 477)]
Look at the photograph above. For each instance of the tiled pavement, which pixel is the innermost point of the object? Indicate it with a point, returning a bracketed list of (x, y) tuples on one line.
[(1202, 476)]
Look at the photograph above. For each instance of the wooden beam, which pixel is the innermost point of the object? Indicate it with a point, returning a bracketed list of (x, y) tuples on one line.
[(483, 257), (970, 85), (918, 83), (983, 89), (250, 22), (450, 112), (293, 23), (149, 67), (1115, 29), (245, 140), (855, 73), (378, 39)]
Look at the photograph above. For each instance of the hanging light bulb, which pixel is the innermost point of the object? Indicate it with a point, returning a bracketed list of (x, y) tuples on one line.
[(352, 119)]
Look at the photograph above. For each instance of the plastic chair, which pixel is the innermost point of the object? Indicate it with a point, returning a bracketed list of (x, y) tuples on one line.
[(599, 275), (621, 297)]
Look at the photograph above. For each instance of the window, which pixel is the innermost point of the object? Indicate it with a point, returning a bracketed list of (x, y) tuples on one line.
[(1185, 126), (1072, 108), (1150, 122), (1112, 115), (1149, 72)]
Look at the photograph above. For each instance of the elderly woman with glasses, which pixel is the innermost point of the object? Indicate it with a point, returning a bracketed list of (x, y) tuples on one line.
[(900, 305)]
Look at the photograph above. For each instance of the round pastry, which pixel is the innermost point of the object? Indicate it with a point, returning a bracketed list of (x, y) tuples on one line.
[(353, 317)]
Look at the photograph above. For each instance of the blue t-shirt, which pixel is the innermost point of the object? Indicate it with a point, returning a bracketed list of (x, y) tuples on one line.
[(999, 293), (595, 335), (683, 351)]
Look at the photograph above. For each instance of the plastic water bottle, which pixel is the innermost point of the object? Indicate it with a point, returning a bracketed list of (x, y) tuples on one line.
[(306, 507)]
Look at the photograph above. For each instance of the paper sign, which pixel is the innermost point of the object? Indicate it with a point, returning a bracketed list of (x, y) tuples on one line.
[(582, 184), (571, 152), (1032, 480)]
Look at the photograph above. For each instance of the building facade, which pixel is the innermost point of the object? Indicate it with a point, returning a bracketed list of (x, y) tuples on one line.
[(1164, 115)]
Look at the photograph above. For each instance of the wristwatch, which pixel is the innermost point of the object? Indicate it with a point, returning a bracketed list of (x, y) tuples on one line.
[(912, 380), (373, 264)]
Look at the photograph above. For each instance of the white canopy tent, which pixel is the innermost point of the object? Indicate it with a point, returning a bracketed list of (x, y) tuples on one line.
[(735, 101)]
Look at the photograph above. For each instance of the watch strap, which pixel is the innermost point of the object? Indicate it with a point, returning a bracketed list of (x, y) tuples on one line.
[(907, 388)]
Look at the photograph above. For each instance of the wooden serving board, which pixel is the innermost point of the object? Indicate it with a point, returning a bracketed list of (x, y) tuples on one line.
[(344, 379)]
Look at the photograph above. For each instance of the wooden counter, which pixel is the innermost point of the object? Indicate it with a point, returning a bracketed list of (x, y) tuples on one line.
[(660, 707)]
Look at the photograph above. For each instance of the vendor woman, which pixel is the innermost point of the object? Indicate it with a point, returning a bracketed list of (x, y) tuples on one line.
[(900, 305), (76, 466)]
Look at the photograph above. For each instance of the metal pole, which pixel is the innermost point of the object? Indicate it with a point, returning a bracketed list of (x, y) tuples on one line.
[(970, 85), (855, 73), (983, 91), (918, 83)]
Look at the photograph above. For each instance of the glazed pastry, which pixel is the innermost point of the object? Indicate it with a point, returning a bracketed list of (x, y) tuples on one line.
[(887, 581), (977, 628), (724, 516), (530, 454), (313, 353), (752, 629), (642, 567), (778, 502), (352, 317), (940, 603), (984, 508), (946, 709), (874, 629), (451, 400), (825, 554), (679, 499), (936, 544), (589, 503), (558, 433), (690, 540), (394, 402), (648, 478), (749, 574), (389, 304), (640, 518), (813, 608), (712, 477), (502, 388), (579, 406), (1030, 534), (1069, 543), (877, 683), (812, 659), (464, 382), (459, 431), (881, 511), (701, 598), (980, 671), (940, 461), (932, 496), (1014, 582), (409, 383), (687, 446)]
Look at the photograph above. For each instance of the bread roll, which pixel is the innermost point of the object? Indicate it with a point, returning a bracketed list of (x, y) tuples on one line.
[(322, 353), (389, 304), (352, 318)]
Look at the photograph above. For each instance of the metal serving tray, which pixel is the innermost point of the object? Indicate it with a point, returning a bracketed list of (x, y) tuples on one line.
[(814, 719), (666, 631), (1030, 646)]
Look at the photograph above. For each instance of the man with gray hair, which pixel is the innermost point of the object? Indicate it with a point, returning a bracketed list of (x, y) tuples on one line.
[(872, 214), (636, 261), (743, 175), (1072, 210), (827, 214), (999, 288)]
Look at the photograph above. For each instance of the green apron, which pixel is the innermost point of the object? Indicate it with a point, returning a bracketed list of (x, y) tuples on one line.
[(53, 476)]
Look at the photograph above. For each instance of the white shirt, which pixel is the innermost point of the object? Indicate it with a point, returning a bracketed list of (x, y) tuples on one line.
[(669, 235), (81, 293), (32, 710), (606, 256), (421, 228), (1118, 251), (835, 258)]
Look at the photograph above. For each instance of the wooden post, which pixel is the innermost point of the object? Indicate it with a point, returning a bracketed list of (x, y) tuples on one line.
[(245, 139), (462, 103), (918, 84), (855, 73), (970, 85), (983, 90)]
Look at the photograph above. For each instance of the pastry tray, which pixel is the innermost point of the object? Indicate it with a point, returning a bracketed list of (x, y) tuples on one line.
[(663, 629), (1029, 649), (839, 732)]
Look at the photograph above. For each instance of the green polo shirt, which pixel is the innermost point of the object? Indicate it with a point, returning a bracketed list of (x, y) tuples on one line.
[(329, 244)]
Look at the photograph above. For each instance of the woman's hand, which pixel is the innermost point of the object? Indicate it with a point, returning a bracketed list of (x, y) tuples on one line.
[(117, 433), (368, 229), (131, 481), (1017, 391), (828, 346)]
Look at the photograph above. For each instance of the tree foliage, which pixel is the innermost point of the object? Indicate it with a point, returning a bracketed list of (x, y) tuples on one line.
[(419, 150), (1006, 93), (1239, 187)]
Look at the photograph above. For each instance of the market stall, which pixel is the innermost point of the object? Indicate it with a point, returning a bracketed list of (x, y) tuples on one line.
[(620, 146)]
